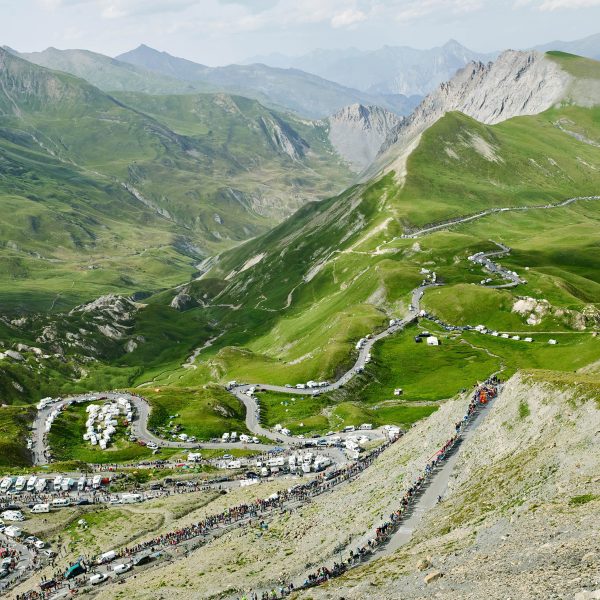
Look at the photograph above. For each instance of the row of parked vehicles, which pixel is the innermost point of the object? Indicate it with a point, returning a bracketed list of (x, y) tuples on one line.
[(33, 483)]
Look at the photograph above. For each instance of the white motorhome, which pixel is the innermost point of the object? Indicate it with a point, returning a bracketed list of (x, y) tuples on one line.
[(6, 484), (40, 484), (20, 483), (96, 481), (13, 515), (81, 484), (106, 557), (13, 531), (57, 482), (67, 483), (40, 508), (131, 498), (31, 483)]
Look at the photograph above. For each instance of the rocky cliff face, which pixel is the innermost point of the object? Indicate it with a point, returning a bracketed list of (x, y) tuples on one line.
[(518, 83), (357, 133)]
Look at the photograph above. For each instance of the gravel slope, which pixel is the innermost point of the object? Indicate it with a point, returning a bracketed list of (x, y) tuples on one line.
[(522, 516)]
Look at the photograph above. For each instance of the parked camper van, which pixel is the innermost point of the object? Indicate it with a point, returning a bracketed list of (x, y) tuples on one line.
[(40, 484), (131, 498), (20, 484), (40, 508), (98, 578), (96, 481), (106, 557), (31, 483), (6, 484), (81, 484)]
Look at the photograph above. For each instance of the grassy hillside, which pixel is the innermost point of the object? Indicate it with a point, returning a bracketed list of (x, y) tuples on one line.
[(336, 269), (14, 424), (108, 73), (100, 196)]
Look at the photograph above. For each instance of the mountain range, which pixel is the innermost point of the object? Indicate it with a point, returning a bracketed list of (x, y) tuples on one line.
[(150, 71), (190, 174), (402, 69), (388, 70)]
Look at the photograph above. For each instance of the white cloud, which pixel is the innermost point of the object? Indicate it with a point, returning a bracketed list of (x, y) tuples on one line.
[(348, 18), (409, 10), (551, 5)]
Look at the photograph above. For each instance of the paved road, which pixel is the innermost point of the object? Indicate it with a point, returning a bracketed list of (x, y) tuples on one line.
[(432, 228), (24, 565), (484, 259), (252, 412), (438, 486), (142, 408)]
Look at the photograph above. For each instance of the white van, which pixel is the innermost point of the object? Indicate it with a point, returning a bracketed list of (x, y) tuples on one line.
[(31, 483), (81, 484), (121, 568), (60, 502), (40, 508), (20, 484), (98, 578), (57, 482), (96, 481), (40, 484)]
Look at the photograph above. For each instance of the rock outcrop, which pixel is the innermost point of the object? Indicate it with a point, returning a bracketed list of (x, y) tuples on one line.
[(183, 300), (357, 133)]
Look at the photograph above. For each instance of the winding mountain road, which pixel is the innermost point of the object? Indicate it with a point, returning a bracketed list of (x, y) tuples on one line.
[(243, 392), (490, 211)]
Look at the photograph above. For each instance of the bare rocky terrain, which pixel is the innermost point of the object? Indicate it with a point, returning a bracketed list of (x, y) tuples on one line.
[(522, 515)]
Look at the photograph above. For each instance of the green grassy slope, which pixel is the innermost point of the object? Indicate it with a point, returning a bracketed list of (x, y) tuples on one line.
[(289, 305), (73, 231), (343, 271), (14, 423)]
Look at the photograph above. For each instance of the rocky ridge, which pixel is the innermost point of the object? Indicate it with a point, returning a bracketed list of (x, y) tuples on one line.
[(516, 84)]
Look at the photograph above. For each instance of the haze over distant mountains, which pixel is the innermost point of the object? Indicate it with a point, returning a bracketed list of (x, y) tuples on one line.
[(588, 46), (388, 70), (150, 71), (402, 69)]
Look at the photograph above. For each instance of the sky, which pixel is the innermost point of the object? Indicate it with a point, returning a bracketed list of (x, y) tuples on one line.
[(217, 32)]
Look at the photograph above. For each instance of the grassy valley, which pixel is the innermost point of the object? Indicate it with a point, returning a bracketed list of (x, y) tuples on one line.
[(289, 305)]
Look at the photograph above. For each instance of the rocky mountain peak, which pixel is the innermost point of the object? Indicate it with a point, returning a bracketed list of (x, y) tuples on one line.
[(517, 83), (357, 132)]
